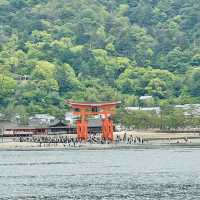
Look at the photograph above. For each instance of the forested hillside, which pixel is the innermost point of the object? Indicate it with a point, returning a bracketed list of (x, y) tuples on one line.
[(97, 50)]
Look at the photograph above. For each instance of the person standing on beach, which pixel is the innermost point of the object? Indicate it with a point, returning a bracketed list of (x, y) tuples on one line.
[(124, 138)]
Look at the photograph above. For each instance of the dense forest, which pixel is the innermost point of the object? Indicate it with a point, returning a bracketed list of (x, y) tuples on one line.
[(97, 50)]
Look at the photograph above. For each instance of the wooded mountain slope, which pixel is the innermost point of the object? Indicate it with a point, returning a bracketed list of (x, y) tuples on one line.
[(98, 50)]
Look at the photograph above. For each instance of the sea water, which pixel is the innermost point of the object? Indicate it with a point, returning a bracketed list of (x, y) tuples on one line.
[(147, 174)]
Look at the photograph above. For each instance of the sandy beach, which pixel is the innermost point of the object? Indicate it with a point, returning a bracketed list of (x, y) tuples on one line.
[(151, 136), (151, 140)]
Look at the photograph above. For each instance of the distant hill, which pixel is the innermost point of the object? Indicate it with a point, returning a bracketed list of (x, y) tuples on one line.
[(96, 50)]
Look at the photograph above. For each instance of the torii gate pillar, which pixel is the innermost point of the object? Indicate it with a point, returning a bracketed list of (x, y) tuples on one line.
[(107, 128), (82, 126)]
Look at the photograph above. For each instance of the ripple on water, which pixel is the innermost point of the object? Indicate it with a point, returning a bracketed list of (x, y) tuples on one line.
[(90, 175)]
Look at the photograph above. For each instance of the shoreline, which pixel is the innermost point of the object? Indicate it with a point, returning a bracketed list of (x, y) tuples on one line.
[(100, 148), (152, 140)]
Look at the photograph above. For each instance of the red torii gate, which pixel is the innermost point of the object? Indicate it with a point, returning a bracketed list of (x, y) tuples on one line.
[(85, 109)]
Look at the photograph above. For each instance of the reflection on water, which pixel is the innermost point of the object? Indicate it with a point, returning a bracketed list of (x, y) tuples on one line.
[(110, 174)]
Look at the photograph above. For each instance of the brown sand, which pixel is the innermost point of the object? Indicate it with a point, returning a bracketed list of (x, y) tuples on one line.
[(150, 138)]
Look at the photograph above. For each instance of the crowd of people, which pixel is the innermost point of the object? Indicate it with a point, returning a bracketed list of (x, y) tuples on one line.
[(129, 139), (48, 140), (72, 141)]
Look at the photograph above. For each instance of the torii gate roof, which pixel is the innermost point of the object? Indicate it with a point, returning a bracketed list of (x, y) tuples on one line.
[(92, 104)]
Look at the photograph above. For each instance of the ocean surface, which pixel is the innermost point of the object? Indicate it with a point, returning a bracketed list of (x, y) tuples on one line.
[(151, 174)]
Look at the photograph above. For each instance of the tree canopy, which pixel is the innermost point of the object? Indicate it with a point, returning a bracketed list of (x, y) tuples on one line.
[(98, 50)]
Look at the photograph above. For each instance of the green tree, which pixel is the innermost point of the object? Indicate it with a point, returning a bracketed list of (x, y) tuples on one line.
[(66, 78), (193, 82)]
